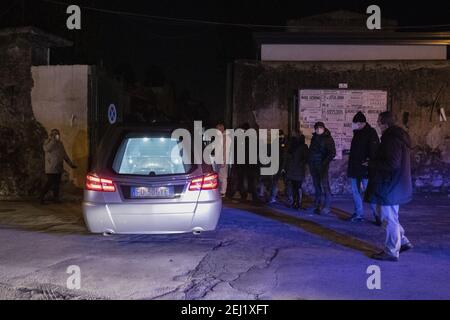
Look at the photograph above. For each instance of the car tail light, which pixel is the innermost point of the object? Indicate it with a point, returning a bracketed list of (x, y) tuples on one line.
[(208, 182), (95, 183)]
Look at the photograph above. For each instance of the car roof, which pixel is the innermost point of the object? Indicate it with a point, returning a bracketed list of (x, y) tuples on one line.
[(152, 125)]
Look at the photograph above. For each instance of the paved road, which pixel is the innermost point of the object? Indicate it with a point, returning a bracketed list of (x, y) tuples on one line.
[(257, 252)]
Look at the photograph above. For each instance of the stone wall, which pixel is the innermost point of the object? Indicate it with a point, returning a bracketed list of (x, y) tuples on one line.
[(60, 100), (263, 93), (21, 136)]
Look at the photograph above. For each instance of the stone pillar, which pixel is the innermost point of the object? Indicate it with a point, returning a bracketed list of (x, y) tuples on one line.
[(21, 136)]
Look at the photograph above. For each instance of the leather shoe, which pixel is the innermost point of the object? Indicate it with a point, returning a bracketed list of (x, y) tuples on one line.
[(383, 256)]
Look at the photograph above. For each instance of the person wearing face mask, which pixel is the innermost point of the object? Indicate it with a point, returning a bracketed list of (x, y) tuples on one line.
[(364, 144), (222, 168), (390, 184), (55, 155), (321, 151)]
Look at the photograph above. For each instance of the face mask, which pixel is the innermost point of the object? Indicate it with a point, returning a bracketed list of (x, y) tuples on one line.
[(320, 131), (57, 137), (382, 126), (355, 126)]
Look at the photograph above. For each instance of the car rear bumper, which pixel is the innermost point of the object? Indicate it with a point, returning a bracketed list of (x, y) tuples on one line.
[(150, 219)]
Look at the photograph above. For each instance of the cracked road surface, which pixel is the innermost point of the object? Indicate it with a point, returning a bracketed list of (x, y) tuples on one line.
[(257, 252)]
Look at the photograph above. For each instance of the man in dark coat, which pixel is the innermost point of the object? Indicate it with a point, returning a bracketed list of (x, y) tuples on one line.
[(294, 166), (55, 155), (363, 147), (244, 176), (390, 184), (321, 151)]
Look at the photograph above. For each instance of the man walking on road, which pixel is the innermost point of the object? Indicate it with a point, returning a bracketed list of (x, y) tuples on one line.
[(222, 168), (390, 184), (363, 147)]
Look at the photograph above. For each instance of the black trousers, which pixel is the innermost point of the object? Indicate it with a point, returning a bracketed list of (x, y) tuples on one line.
[(243, 179), (297, 191), (321, 186), (53, 182)]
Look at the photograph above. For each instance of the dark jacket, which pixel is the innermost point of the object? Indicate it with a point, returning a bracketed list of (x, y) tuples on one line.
[(322, 149), (390, 171), (364, 145), (282, 154), (296, 159)]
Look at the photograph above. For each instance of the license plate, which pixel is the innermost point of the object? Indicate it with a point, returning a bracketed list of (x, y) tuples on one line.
[(151, 192)]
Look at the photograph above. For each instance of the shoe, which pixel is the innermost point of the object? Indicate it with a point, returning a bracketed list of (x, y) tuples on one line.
[(325, 211), (378, 222), (317, 211), (383, 256), (406, 247), (356, 218), (272, 201)]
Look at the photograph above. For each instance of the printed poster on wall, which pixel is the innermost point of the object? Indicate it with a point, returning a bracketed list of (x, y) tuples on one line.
[(336, 108)]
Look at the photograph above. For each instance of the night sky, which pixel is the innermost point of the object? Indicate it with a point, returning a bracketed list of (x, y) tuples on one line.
[(191, 56)]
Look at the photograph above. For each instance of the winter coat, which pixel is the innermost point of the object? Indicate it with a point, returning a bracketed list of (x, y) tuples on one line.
[(296, 160), (282, 153), (364, 145), (55, 155), (322, 150), (390, 171)]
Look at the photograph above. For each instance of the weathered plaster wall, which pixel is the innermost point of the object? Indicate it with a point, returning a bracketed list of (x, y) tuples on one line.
[(263, 93), (21, 136), (60, 100)]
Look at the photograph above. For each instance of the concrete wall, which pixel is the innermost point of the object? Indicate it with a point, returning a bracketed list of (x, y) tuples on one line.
[(339, 52), (263, 93), (59, 99)]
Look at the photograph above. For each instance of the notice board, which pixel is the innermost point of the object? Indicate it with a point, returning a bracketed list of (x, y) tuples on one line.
[(336, 108)]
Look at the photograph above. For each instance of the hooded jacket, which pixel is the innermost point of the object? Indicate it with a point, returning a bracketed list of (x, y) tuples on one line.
[(390, 171), (322, 149), (296, 159), (364, 145)]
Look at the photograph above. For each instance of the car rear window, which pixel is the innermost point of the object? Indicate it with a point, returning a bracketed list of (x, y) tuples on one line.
[(149, 156)]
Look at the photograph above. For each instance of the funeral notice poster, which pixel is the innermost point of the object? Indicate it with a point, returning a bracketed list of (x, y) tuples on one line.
[(336, 109)]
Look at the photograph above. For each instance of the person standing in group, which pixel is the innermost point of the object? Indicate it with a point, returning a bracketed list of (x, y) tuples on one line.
[(244, 175), (279, 174), (222, 168), (363, 147), (321, 152), (55, 155), (295, 165), (390, 184)]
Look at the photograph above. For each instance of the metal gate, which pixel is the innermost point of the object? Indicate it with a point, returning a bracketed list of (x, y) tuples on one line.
[(105, 106)]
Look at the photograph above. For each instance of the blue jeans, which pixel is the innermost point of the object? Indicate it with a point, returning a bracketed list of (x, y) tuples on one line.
[(359, 186), (395, 234)]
